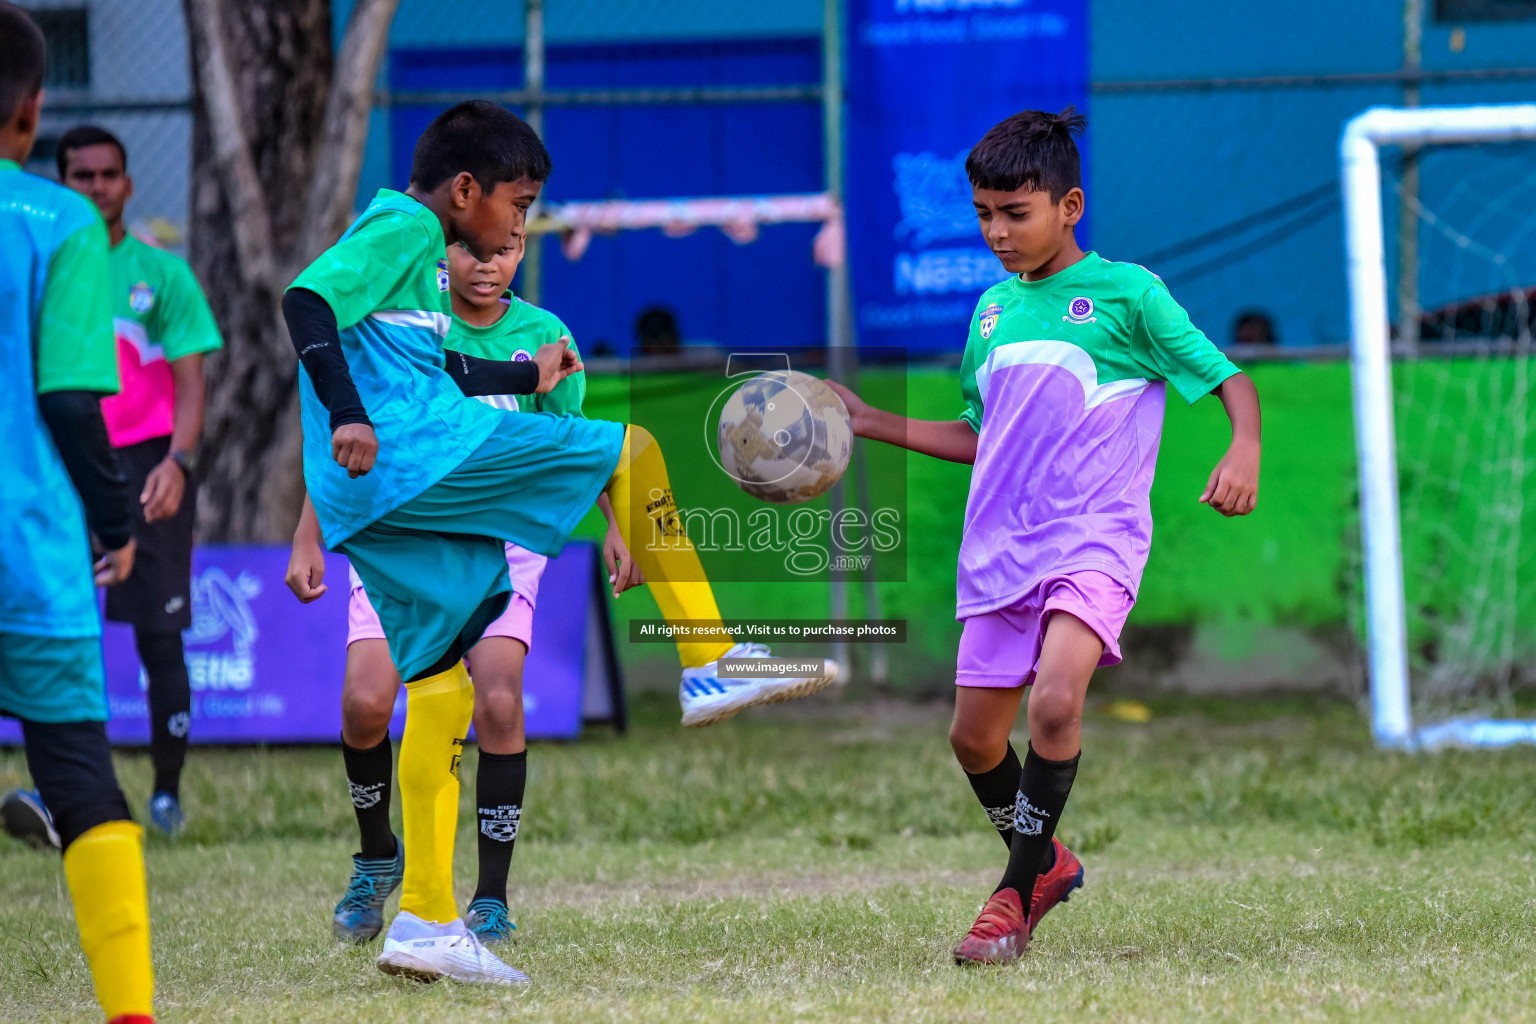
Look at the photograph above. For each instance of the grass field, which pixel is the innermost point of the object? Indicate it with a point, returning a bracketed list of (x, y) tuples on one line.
[(1251, 861)]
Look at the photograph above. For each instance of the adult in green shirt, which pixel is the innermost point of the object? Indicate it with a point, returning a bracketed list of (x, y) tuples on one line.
[(163, 327)]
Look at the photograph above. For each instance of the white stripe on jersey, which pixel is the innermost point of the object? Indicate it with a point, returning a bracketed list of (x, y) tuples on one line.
[(438, 323), (1048, 352)]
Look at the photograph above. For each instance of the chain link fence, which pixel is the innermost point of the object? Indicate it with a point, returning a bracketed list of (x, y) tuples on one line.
[(122, 65)]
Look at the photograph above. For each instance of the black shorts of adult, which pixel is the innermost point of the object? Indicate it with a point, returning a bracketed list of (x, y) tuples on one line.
[(157, 596)]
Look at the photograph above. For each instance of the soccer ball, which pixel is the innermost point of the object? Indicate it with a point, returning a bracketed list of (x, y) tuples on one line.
[(785, 437)]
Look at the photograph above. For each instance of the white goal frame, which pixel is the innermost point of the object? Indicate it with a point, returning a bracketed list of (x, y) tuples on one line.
[(1371, 365)]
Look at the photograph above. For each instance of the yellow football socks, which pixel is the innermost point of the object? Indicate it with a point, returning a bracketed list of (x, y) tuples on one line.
[(647, 517), (104, 869), (437, 714)]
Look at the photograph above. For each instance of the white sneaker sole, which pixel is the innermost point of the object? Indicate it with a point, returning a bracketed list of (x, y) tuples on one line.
[(401, 964), (789, 689)]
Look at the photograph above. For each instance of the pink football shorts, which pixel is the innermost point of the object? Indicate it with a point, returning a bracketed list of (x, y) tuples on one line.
[(1002, 648), (516, 622)]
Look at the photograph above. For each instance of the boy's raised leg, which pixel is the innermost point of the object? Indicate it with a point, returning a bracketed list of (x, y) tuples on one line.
[(647, 518)]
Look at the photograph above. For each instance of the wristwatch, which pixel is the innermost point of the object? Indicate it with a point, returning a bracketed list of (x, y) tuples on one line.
[(186, 461)]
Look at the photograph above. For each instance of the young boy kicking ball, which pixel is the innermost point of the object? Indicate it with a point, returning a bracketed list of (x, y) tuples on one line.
[(1063, 378), (420, 487), (488, 322)]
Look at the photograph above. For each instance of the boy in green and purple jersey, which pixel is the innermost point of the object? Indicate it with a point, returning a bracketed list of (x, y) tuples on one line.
[(1063, 380)]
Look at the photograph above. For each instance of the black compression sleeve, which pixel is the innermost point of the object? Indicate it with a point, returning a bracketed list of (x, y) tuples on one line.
[(312, 327), (80, 435), (476, 376)]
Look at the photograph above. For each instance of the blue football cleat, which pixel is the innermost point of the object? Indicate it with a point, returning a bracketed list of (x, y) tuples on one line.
[(487, 918), (360, 914), (24, 817), (165, 814)]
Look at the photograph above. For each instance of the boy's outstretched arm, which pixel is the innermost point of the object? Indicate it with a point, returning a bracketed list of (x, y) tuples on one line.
[(1233, 489), (312, 328), (950, 440)]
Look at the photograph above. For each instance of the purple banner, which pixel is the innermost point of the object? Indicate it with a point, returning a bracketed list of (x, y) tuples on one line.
[(266, 669)]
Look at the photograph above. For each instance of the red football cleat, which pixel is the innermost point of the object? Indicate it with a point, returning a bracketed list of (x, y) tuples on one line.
[(999, 934), (1056, 885), (132, 1018)]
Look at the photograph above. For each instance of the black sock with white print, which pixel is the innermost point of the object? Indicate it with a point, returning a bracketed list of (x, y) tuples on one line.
[(499, 785), (998, 790), (368, 775), (1043, 789)]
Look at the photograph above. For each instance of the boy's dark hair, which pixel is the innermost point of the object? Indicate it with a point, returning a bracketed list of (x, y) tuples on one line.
[(1031, 150), (82, 135), (484, 138), (23, 59)]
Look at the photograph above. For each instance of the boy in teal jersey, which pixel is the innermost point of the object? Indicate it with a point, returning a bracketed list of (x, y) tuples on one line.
[(488, 323), (57, 358), (1063, 379), (419, 487), (164, 328)]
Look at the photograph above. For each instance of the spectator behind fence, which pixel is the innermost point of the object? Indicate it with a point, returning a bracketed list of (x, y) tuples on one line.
[(656, 332), (1254, 327)]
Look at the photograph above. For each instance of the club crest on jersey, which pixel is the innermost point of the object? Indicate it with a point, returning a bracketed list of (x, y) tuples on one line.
[(1080, 311), (989, 320), (140, 297), (442, 274), (521, 356)]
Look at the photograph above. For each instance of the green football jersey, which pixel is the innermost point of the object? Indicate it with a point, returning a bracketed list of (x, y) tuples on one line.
[(55, 335), (516, 336), (160, 315), (387, 282), (1063, 378)]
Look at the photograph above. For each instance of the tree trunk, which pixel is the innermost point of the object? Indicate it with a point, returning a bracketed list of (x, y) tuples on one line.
[(276, 148)]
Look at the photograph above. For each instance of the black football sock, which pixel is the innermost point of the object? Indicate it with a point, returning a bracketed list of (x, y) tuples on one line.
[(499, 785), (368, 775), (997, 789), (1043, 789), (170, 705)]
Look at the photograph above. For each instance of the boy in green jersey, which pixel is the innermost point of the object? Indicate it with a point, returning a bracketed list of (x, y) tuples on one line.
[(419, 487), (1063, 380), (489, 323), (63, 491)]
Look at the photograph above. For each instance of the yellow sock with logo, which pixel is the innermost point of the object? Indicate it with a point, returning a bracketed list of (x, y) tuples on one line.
[(437, 714), (104, 869), (647, 516)]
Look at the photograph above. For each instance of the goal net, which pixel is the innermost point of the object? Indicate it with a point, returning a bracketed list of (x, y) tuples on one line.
[(1442, 419)]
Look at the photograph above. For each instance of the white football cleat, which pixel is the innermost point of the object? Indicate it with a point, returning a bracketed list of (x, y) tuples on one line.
[(707, 699), (425, 951)]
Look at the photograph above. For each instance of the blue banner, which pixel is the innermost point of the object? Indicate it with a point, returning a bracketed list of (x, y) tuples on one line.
[(266, 669), (926, 79)]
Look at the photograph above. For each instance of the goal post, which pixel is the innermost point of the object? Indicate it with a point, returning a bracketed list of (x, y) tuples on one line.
[(1371, 369)]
